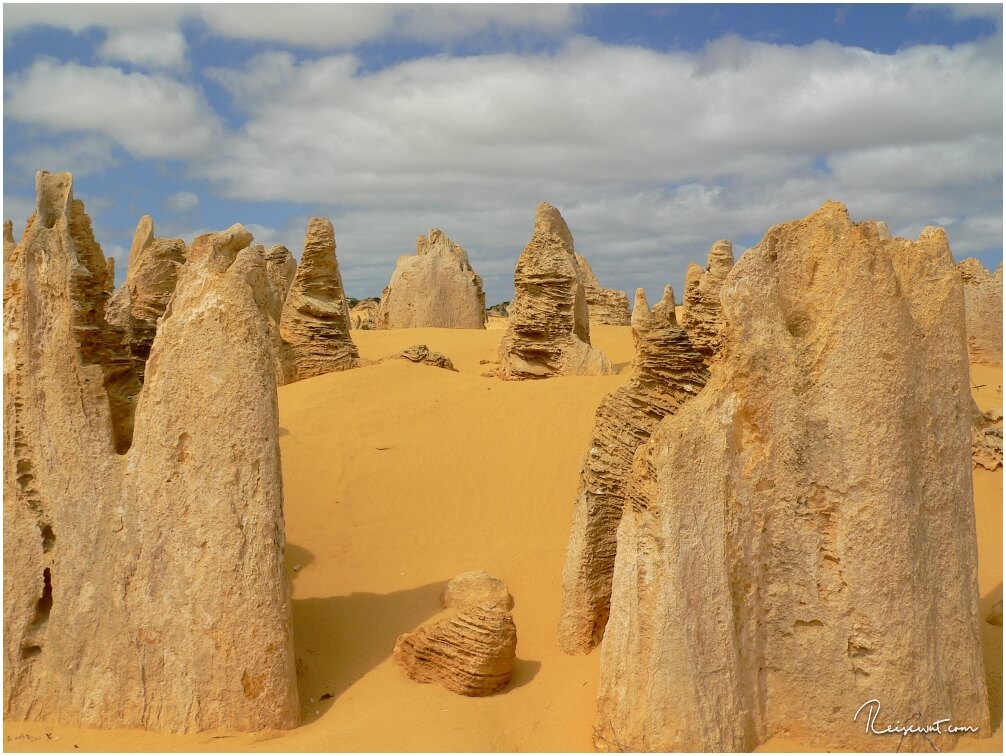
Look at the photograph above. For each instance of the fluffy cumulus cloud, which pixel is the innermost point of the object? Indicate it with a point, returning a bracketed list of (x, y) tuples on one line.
[(149, 115), (318, 26), (153, 48), (81, 155), (650, 155)]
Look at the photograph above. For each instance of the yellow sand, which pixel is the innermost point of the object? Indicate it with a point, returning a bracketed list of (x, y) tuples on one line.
[(397, 478)]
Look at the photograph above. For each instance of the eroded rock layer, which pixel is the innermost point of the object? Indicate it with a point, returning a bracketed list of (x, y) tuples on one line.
[(8, 248), (150, 281), (983, 307), (281, 268), (548, 329), (435, 288), (422, 355), (667, 372), (986, 438), (701, 314), (128, 577), (315, 321), (471, 653), (363, 316), (800, 537), (606, 306), (475, 587)]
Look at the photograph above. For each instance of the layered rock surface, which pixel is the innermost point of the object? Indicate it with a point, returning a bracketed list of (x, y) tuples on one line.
[(701, 314), (471, 653), (435, 288), (315, 320), (422, 355), (475, 587), (667, 372), (606, 306), (986, 438), (796, 541), (128, 577), (8, 248), (151, 276), (364, 315), (983, 307), (548, 329), (281, 268)]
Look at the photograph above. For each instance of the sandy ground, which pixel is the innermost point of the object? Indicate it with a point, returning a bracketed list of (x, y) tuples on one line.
[(400, 476)]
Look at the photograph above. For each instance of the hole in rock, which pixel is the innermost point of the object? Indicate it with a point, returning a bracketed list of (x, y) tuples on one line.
[(48, 538), (44, 605)]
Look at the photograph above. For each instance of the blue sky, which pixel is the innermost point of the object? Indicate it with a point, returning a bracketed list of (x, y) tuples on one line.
[(656, 129)]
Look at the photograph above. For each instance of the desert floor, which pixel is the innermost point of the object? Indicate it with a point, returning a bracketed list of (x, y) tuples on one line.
[(400, 476)]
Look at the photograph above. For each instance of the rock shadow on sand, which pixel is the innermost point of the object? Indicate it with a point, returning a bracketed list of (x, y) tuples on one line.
[(339, 639), (524, 671)]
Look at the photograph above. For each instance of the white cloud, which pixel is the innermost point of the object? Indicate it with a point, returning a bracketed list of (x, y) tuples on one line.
[(79, 16), (591, 113), (963, 11), (80, 156), (148, 115), (155, 48), (181, 202), (18, 210), (321, 26), (651, 156)]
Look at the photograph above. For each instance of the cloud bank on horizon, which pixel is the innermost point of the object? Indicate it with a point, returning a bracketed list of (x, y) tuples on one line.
[(655, 129)]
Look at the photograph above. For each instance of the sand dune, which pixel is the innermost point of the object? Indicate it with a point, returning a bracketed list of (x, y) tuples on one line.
[(400, 476)]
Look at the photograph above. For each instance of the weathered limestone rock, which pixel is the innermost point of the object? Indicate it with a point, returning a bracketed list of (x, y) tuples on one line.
[(8, 238), (436, 288), (701, 314), (995, 616), (475, 587), (983, 306), (110, 280), (8, 248), (667, 372), (315, 321), (207, 482), (150, 281), (471, 653), (498, 310), (128, 577), (800, 537), (364, 315), (666, 309), (548, 332), (421, 354), (986, 438), (281, 267), (606, 306)]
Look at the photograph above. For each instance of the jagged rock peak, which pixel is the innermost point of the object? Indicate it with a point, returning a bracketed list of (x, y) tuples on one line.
[(109, 559), (741, 546), (606, 306), (150, 282), (435, 288), (701, 313), (315, 320), (548, 330), (666, 310), (983, 307), (667, 372)]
